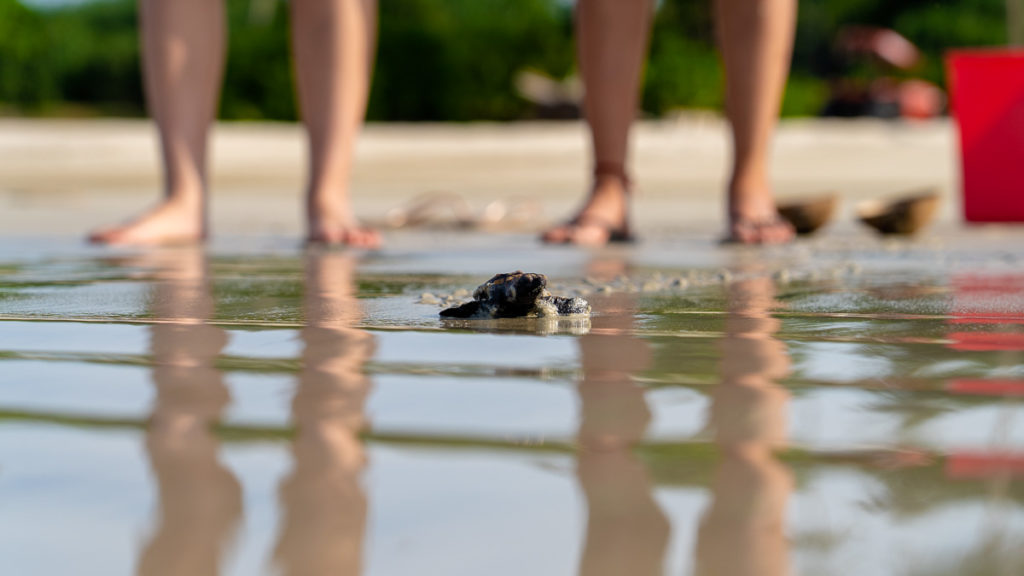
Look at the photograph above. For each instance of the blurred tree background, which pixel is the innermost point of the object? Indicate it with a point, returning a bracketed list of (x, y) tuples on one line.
[(443, 59)]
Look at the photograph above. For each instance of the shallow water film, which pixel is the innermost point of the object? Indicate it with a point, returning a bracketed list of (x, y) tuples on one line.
[(829, 408)]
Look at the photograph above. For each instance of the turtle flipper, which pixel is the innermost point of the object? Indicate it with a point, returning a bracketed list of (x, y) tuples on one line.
[(467, 310), (570, 306)]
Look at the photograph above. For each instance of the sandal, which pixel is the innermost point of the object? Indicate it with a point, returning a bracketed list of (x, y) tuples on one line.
[(756, 229), (616, 232)]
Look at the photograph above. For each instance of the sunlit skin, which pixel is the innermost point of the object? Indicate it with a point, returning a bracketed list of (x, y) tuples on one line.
[(323, 502), (742, 532), (183, 47), (756, 38), (627, 532), (200, 501)]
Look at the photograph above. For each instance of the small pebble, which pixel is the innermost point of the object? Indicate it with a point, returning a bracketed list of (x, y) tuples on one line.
[(461, 293), (428, 298), (680, 283), (606, 289), (782, 276), (652, 286)]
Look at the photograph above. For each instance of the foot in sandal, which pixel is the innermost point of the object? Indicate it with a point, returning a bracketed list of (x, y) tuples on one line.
[(753, 218), (604, 217)]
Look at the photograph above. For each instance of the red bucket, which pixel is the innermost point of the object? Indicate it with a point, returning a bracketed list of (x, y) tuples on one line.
[(987, 91)]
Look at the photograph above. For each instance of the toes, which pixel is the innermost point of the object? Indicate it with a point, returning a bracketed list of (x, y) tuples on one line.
[(107, 236), (356, 237), (770, 232), (363, 238), (745, 233), (99, 237), (589, 235), (777, 232), (581, 235), (557, 235)]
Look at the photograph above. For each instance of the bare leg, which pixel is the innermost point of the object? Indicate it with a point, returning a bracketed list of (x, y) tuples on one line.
[(183, 50), (757, 42), (333, 42), (611, 39)]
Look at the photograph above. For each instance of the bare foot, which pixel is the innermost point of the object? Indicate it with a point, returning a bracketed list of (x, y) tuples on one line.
[(753, 218), (333, 223), (603, 218), (173, 221)]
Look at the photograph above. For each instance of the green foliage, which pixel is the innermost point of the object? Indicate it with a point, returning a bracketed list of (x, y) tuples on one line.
[(457, 59), (683, 68), (24, 57), (804, 95), (447, 59), (936, 27), (258, 79), (681, 72), (94, 56)]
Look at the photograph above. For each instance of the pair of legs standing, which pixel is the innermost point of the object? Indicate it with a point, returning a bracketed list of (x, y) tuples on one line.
[(183, 45), (333, 43), (756, 38)]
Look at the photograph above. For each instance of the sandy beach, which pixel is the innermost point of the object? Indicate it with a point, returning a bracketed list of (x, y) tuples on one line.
[(840, 405), (66, 176)]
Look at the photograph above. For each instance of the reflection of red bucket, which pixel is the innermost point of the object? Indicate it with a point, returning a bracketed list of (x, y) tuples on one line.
[(987, 90), (968, 465), (987, 387)]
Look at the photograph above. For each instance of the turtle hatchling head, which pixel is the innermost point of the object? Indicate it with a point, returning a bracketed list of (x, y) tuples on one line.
[(512, 294)]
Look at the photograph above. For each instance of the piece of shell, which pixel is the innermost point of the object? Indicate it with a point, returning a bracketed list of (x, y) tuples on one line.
[(905, 214), (808, 215)]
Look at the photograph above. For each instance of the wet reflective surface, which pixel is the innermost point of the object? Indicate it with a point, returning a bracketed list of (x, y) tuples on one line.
[(838, 407)]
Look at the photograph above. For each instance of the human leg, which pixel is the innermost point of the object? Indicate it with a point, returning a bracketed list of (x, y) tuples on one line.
[(183, 44), (333, 41), (756, 39), (611, 40)]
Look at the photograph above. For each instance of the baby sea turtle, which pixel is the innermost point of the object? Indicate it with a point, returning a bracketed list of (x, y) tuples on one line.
[(517, 295)]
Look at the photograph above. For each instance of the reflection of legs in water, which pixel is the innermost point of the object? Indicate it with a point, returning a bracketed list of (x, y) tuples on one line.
[(742, 531), (611, 42), (183, 53), (324, 504), (626, 531), (200, 500), (333, 42)]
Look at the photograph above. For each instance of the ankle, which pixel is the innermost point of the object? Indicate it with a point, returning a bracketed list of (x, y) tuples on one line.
[(185, 200), (327, 207), (751, 202), (749, 182), (612, 175), (610, 187)]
